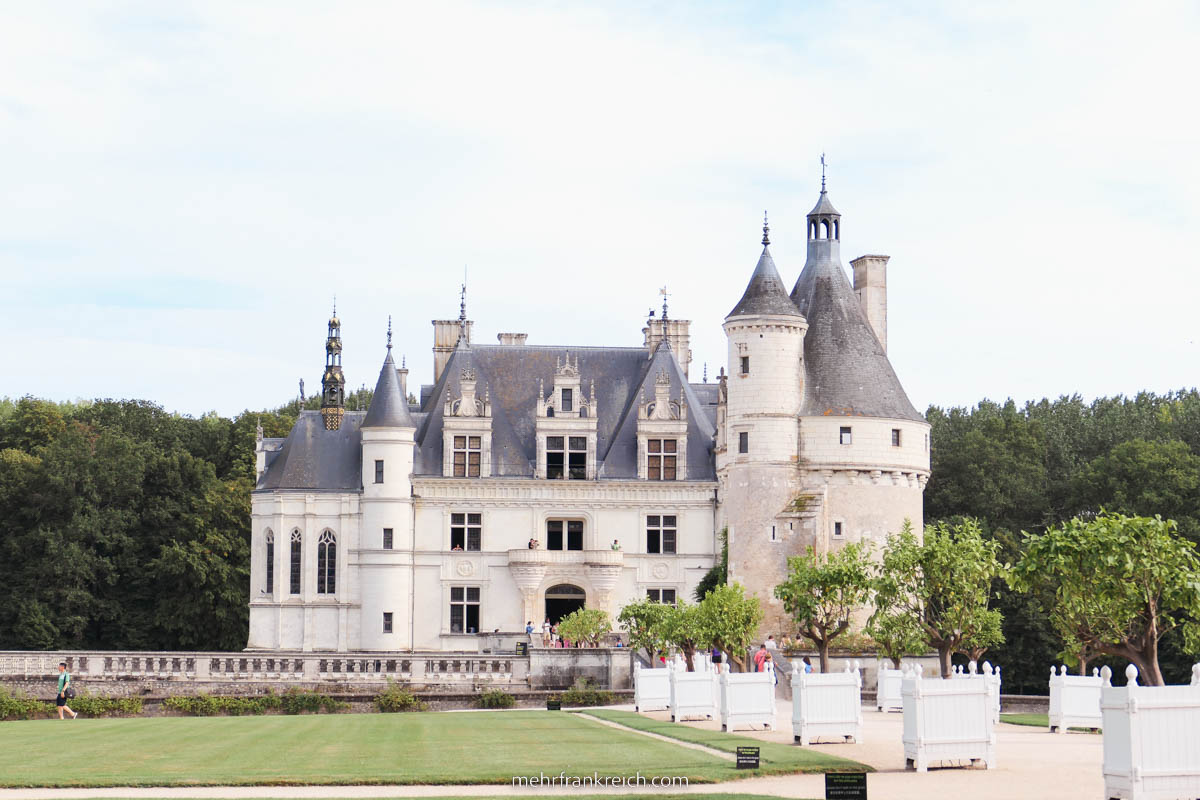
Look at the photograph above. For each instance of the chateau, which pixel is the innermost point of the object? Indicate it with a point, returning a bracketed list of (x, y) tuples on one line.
[(530, 480)]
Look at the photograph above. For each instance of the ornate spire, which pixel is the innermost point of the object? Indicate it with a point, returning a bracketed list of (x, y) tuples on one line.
[(766, 231), (823, 173), (389, 338), (333, 382)]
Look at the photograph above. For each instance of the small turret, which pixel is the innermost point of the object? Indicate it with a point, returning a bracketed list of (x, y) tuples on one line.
[(333, 382), (389, 406)]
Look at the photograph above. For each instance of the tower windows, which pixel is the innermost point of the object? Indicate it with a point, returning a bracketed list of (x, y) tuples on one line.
[(743, 441), (387, 622), (468, 454), (464, 609), (566, 457), (845, 436), (745, 365), (270, 541), (564, 534), (379, 470), (327, 563), (824, 229), (661, 459), (895, 437), (294, 559), (660, 533), (387, 538), (466, 532), (837, 530)]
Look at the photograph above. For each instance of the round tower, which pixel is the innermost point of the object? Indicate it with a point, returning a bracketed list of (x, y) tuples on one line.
[(386, 538), (757, 458)]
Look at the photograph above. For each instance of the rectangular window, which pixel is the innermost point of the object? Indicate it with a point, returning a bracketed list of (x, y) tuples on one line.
[(468, 455), (745, 365), (466, 531), (564, 534), (660, 534), (837, 530), (743, 441), (666, 596), (660, 459), (844, 436), (773, 533), (568, 400), (270, 564), (387, 538), (387, 622), (464, 609), (566, 457), (895, 437), (379, 470)]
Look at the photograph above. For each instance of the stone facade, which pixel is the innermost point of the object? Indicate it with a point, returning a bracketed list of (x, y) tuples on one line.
[(530, 480)]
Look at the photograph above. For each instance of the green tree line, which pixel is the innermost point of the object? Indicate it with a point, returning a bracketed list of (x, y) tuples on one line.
[(1032, 468)]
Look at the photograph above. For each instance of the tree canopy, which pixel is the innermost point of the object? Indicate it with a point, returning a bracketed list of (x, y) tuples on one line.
[(823, 591)]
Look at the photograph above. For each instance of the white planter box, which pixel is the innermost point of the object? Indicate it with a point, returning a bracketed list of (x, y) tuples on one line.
[(990, 677), (1074, 700), (747, 698), (701, 661), (692, 694), (827, 705), (947, 720), (651, 688), (1151, 739), (887, 690)]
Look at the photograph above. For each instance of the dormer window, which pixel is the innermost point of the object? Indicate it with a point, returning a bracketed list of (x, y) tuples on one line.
[(567, 401), (566, 457), (661, 459), (565, 421), (467, 431), (468, 455)]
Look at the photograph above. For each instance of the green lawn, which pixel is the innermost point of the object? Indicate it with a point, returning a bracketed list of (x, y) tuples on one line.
[(1033, 720), (774, 757), (482, 747)]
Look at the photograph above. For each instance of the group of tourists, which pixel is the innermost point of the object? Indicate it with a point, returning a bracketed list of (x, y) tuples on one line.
[(550, 635)]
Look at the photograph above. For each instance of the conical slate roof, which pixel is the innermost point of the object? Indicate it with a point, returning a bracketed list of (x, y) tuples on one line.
[(847, 372), (389, 406), (765, 294), (824, 207)]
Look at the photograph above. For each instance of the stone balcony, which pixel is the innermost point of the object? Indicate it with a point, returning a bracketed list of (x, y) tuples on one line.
[(543, 557)]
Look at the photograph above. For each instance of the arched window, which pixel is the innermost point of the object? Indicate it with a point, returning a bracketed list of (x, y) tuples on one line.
[(824, 229), (812, 229), (327, 563), (270, 548), (837, 229), (294, 578)]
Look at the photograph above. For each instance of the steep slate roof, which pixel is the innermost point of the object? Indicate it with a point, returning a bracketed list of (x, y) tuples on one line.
[(824, 207), (510, 375), (765, 293), (316, 459), (389, 406), (847, 372)]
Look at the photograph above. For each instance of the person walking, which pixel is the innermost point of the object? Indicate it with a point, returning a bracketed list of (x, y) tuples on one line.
[(807, 664), (716, 659), (64, 686), (760, 656), (770, 643), (546, 633)]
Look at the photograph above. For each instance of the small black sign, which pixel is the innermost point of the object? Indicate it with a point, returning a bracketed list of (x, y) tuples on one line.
[(845, 786), (747, 758), (554, 705), (522, 648)]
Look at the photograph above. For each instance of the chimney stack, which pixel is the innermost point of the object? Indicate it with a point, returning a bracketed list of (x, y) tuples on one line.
[(870, 287), (445, 338), (512, 338), (678, 337)]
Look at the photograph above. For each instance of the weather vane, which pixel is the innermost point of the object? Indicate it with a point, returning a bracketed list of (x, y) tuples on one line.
[(665, 295), (823, 165)]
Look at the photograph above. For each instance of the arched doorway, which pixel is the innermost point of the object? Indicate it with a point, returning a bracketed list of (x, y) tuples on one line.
[(562, 599)]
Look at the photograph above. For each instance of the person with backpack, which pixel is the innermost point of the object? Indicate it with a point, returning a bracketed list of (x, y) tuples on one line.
[(65, 692)]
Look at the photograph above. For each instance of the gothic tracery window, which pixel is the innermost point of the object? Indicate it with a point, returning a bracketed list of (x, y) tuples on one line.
[(327, 563), (270, 554), (294, 577)]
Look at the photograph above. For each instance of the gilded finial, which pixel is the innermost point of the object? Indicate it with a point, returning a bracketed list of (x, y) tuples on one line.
[(766, 231), (389, 333)]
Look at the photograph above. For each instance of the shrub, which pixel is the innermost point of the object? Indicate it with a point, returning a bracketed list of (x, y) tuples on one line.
[(394, 699), (495, 698), (584, 693), (303, 701), (206, 705), (94, 705), (17, 705)]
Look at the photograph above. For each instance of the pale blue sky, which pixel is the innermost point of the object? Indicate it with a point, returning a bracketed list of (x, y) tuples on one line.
[(184, 186)]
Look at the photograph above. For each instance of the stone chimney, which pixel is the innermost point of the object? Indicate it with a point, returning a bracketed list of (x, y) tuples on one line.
[(678, 337), (870, 286), (445, 339), (512, 338)]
